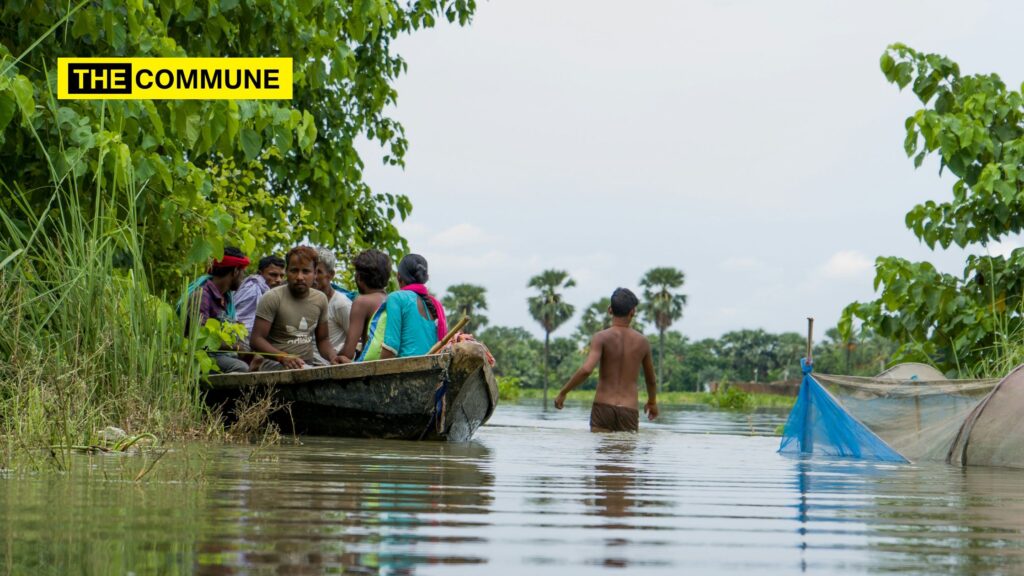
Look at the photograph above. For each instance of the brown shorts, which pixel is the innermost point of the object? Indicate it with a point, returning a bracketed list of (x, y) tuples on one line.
[(608, 418)]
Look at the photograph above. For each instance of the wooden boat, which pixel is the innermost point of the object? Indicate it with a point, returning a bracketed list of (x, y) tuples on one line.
[(444, 396)]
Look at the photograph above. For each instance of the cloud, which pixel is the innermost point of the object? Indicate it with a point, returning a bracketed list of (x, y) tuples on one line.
[(460, 235), (846, 264), (741, 264)]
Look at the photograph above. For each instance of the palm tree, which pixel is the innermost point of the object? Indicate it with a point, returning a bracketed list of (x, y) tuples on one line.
[(467, 299), (661, 305), (548, 309), (595, 318)]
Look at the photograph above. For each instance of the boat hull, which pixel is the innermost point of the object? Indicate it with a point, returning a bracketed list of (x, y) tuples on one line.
[(393, 398)]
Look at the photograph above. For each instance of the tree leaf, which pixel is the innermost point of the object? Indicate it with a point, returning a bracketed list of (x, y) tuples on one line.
[(23, 90), (252, 144)]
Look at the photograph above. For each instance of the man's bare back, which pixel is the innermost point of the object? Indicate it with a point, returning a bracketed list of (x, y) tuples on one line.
[(620, 352), (623, 351)]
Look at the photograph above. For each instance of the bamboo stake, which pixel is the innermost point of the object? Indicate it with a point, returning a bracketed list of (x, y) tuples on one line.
[(810, 340), (451, 332)]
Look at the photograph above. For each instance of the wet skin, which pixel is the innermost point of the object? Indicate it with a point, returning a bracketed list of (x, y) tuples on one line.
[(621, 352)]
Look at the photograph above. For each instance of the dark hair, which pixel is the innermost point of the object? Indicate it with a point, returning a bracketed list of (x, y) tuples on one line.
[(304, 252), (222, 271), (623, 300), (272, 260), (373, 268), (413, 269)]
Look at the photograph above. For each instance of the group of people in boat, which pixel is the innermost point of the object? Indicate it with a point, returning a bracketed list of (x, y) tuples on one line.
[(296, 316)]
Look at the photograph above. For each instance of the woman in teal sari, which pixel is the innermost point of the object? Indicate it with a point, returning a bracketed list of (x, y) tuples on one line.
[(411, 320)]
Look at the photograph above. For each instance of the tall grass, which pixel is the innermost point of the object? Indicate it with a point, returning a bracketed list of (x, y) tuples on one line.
[(85, 342)]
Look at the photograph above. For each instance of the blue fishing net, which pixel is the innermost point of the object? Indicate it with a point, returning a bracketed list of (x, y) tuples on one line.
[(819, 424)]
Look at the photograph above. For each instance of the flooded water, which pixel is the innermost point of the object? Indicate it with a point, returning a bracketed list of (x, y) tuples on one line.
[(700, 491)]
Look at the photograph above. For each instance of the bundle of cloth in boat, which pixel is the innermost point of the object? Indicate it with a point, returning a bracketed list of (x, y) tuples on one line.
[(910, 412)]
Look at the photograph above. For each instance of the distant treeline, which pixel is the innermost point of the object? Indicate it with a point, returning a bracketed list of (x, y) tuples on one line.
[(741, 355)]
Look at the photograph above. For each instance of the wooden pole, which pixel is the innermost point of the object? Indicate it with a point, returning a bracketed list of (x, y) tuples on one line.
[(810, 340), (451, 332)]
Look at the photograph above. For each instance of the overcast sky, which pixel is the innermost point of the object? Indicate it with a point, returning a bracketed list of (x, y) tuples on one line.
[(754, 145)]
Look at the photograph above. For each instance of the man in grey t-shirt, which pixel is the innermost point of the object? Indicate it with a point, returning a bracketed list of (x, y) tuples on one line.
[(291, 320)]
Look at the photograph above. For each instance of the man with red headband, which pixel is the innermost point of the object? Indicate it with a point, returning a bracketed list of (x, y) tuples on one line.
[(212, 294)]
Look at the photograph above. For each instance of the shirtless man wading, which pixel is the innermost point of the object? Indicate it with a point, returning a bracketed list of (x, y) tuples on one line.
[(620, 351)]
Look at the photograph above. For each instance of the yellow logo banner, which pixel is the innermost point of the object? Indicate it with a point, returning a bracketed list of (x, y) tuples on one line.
[(174, 78)]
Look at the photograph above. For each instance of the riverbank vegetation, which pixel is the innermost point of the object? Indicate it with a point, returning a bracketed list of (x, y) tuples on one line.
[(972, 127), (109, 208), (730, 399)]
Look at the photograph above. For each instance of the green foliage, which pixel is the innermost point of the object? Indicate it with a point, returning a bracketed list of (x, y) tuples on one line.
[(516, 353), (508, 388), (207, 172), (690, 365), (595, 318), (862, 354), (548, 307), (662, 306), (214, 335), (686, 365), (84, 343), (758, 355), (731, 399), (469, 300), (973, 125), (753, 401)]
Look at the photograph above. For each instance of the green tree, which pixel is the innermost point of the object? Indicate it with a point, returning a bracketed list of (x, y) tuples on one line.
[(859, 354), (699, 364), (469, 300), (595, 318), (662, 306), (206, 171), (972, 124), (516, 353), (746, 354), (549, 309)]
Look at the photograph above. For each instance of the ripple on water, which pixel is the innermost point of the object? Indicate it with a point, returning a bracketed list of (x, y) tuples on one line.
[(700, 490)]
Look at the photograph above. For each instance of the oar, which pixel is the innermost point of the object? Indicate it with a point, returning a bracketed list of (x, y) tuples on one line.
[(447, 337)]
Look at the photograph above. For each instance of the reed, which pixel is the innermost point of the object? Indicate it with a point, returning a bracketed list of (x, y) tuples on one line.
[(85, 341)]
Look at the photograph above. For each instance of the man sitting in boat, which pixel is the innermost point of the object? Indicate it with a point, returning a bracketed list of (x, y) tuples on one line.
[(339, 306), (210, 297), (373, 272), (411, 321), (290, 319), (270, 275)]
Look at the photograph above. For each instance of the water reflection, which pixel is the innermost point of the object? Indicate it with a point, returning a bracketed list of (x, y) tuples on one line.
[(379, 507), (615, 478), (535, 495)]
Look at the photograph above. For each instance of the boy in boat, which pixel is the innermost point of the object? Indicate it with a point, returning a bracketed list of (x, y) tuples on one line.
[(291, 318), (373, 272), (620, 351)]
